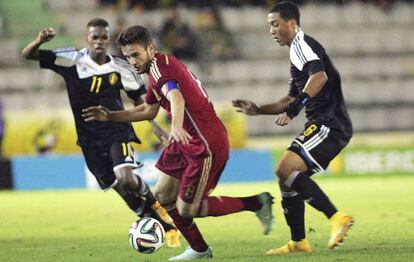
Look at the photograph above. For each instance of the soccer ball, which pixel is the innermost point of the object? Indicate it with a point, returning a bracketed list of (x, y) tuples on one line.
[(146, 235)]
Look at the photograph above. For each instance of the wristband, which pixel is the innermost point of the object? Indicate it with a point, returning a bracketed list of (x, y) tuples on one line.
[(294, 108)]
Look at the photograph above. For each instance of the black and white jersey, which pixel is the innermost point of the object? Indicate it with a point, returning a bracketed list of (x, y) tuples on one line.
[(90, 84), (328, 107)]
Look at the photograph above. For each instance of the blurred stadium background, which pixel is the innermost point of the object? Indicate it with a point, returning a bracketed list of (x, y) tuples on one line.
[(371, 43), (228, 47)]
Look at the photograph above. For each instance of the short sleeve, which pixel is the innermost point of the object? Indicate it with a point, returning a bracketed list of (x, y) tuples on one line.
[(150, 97), (301, 52), (313, 67), (59, 59), (131, 81), (47, 59), (135, 94)]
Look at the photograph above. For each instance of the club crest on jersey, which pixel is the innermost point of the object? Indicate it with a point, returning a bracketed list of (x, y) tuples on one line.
[(113, 79), (189, 191)]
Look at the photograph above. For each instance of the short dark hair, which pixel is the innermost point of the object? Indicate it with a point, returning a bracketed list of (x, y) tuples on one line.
[(97, 22), (287, 10), (135, 35)]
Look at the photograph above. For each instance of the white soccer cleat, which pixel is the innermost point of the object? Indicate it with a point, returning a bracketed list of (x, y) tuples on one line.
[(190, 253), (264, 214)]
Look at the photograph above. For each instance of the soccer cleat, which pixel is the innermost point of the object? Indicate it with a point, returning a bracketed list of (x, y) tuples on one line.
[(340, 224), (265, 212), (172, 238), (162, 213), (291, 247), (190, 253)]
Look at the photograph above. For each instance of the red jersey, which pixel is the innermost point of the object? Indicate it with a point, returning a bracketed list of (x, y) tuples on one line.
[(200, 118)]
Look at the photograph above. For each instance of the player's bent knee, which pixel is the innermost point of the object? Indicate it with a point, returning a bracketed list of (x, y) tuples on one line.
[(163, 197), (122, 181), (126, 180), (281, 174)]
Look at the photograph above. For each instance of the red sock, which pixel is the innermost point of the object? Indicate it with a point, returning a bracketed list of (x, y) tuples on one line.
[(189, 230), (222, 205)]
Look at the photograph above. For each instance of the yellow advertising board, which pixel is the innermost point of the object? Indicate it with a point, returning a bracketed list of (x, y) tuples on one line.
[(53, 131)]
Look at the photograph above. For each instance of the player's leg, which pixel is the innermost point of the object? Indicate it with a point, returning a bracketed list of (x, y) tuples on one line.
[(136, 193), (194, 199), (260, 204), (166, 192), (143, 203), (199, 177), (291, 174), (132, 189), (293, 209), (316, 146)]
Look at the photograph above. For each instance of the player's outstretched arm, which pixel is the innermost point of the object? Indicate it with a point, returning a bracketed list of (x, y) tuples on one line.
[(251, 108), (246, 106), (161, 134), (31, 51), (139, 113)]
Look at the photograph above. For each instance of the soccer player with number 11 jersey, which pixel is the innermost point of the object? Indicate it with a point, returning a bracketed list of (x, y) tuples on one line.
[(94, 77)]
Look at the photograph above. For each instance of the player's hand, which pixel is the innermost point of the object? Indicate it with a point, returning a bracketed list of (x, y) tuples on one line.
[(282, 119), (160, 133), (46, 35), (178, 134), (245, 106), (96, 113)]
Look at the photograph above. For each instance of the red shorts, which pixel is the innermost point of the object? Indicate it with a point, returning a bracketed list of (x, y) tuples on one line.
[(197, 166)]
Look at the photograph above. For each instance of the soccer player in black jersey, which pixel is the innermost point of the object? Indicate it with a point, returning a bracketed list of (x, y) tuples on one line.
[(316, 86), (93, 77)]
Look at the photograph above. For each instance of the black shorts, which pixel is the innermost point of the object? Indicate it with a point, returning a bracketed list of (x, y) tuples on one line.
[(104, 160), (317, 145)]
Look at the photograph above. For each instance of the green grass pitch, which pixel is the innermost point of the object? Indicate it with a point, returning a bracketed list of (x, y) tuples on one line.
[(93, 226)]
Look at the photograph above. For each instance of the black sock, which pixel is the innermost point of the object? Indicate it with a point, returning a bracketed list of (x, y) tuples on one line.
[(294, 211), (148, 211), (311, 193), (145, 192), (139, 198), (134, 202)]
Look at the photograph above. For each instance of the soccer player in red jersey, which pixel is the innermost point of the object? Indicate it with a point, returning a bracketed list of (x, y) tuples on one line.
[(191, 164)]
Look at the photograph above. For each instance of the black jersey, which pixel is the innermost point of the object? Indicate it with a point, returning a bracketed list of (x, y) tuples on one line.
[(90, 84), (328, 107)]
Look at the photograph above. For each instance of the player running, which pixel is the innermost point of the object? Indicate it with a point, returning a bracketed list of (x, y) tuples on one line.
[(191, 164), (93, 77), (316, 86)]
